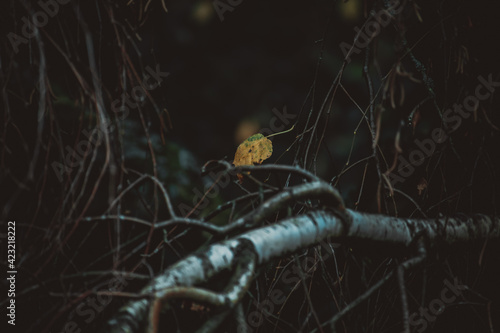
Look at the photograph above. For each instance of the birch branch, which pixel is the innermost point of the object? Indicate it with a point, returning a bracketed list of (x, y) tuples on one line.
[(295, 233)]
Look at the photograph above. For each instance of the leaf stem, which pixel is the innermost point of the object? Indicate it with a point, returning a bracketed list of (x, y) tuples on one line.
[(288, 130)]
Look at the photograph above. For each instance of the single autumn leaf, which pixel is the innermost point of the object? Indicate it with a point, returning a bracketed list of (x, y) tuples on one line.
[(255, 149)]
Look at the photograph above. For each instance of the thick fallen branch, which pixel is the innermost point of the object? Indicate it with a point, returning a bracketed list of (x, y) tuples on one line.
[(290, 235)]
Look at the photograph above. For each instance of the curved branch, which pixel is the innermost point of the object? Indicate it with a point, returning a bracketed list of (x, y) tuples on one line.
[(300, 232)]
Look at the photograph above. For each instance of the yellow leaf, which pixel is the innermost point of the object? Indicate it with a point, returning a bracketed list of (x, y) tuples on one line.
[(255, 149)]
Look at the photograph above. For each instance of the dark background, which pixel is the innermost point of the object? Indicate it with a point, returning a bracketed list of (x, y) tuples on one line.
[(226, 76)]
